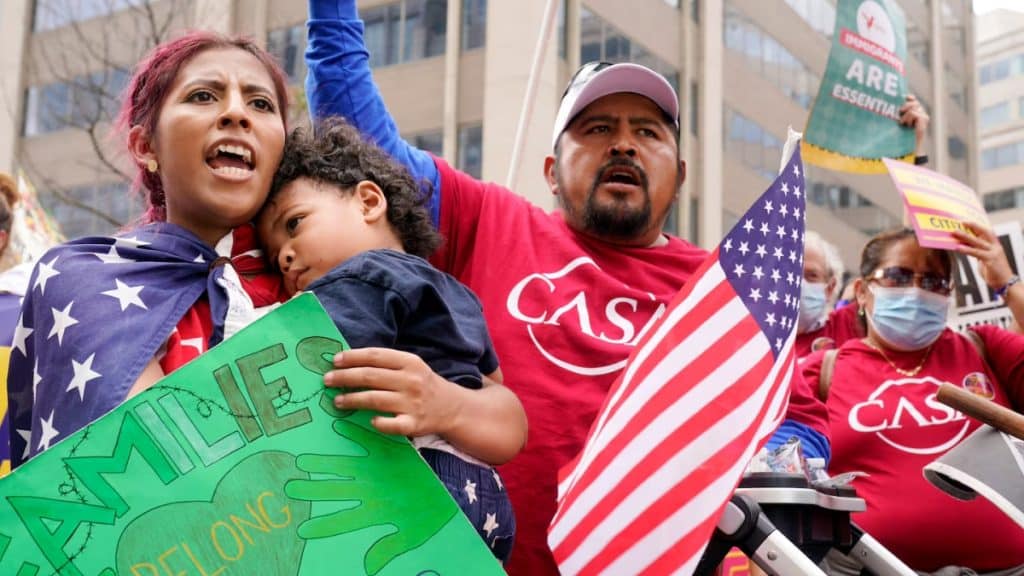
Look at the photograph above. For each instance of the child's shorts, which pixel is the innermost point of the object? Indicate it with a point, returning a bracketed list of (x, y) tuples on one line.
[(481, 496)]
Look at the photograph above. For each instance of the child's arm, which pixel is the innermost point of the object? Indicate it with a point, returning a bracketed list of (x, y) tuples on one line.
[(488, 424)]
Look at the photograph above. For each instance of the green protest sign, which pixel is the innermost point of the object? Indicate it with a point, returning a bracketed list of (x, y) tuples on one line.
[(237, 464), (854, 121)]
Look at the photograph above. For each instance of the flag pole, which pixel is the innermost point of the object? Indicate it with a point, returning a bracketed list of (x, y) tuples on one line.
[(550, 13)]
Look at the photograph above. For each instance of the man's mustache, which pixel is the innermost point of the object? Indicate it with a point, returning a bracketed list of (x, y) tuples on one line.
[(620, 162)]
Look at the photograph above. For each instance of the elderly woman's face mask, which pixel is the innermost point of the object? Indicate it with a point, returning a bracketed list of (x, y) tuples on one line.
[(813, 306)]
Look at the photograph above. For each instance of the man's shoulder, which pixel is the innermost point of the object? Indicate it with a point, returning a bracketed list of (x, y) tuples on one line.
[(455, 181)]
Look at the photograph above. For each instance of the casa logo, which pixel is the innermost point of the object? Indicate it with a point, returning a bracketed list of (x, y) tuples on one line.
[(562, 313), (977, 383), (906, 415)]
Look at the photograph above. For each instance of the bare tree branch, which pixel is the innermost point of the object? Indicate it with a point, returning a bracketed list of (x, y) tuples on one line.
[(63, 194), (79, 70)]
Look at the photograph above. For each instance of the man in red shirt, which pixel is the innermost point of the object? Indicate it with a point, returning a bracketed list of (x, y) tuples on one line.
[(566, 294)]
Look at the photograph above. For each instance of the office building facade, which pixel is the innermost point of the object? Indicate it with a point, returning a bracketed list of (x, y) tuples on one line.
[(454, 74), (1001, 114)]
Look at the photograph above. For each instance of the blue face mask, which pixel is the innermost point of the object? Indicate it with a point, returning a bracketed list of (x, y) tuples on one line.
[(812, 307), (908, 318)]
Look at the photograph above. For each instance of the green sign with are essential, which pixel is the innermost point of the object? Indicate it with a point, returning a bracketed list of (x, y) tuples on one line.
[(237, 464), (855, 119)]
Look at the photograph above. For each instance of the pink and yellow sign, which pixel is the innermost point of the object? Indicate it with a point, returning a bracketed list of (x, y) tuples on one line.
[(735, 564), (936, 204)]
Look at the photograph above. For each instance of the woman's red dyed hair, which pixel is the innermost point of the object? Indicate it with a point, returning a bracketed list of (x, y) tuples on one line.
[(155, 74)]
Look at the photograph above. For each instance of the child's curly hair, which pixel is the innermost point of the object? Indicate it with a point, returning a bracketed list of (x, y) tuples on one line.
[(335, 153)]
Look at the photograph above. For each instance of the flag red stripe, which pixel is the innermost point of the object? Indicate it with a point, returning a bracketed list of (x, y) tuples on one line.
[(614, 393), (684, 491), (713, 302), (719, 296), (682, 436), (688, 377), (691, 544), (669, 503), (695, 540)]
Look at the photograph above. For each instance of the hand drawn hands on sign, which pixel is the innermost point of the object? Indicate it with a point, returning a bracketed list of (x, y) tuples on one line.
[(386, 487)]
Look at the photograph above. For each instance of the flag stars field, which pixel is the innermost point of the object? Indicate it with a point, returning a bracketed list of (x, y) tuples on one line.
[(112, 256), (83, 374), (26, 436), (62, 320), (21, 332), (126, 295), (36, 377), (47, 432)]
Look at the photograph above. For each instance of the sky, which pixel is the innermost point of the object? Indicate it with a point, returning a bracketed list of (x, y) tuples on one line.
[(987, 5)]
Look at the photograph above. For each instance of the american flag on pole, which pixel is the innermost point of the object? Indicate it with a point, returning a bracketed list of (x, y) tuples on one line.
[(699, 395)]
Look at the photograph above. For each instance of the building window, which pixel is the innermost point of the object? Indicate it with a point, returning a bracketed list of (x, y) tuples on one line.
[(405, 31), (426, 23), (818, 14), (850, 206), (671, 225), (432, 142), (1002, 156), (83, 102), (1004, 200), (773, 61), (759, 150), (956, 147), (952, 23), (288, 45), (956, 87), (474, 23), (383, 34), (755, 146), (1001, 69), (112, 199), (918, 45), (471, 150), (599, 40), (995, 115), (51, 14)]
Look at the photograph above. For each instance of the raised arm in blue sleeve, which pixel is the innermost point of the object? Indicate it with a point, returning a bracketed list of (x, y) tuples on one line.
[(340, 83), (813, 443)]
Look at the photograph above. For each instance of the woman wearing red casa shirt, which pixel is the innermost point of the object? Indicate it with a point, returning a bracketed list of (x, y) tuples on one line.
[(887, 422)]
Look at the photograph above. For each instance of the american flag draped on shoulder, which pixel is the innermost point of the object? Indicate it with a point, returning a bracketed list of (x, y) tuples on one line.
[(96, 312), (699, 395)]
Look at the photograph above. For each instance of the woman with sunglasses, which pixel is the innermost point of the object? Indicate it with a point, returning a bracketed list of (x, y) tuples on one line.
[(886, 420)]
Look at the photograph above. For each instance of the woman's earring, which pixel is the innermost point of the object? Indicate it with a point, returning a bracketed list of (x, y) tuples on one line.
[(152, 165)]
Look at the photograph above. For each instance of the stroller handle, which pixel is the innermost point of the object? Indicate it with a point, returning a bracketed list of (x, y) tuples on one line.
[(984, 410)]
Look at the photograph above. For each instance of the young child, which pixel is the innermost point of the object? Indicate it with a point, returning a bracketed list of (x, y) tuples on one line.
[(346, 222)]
